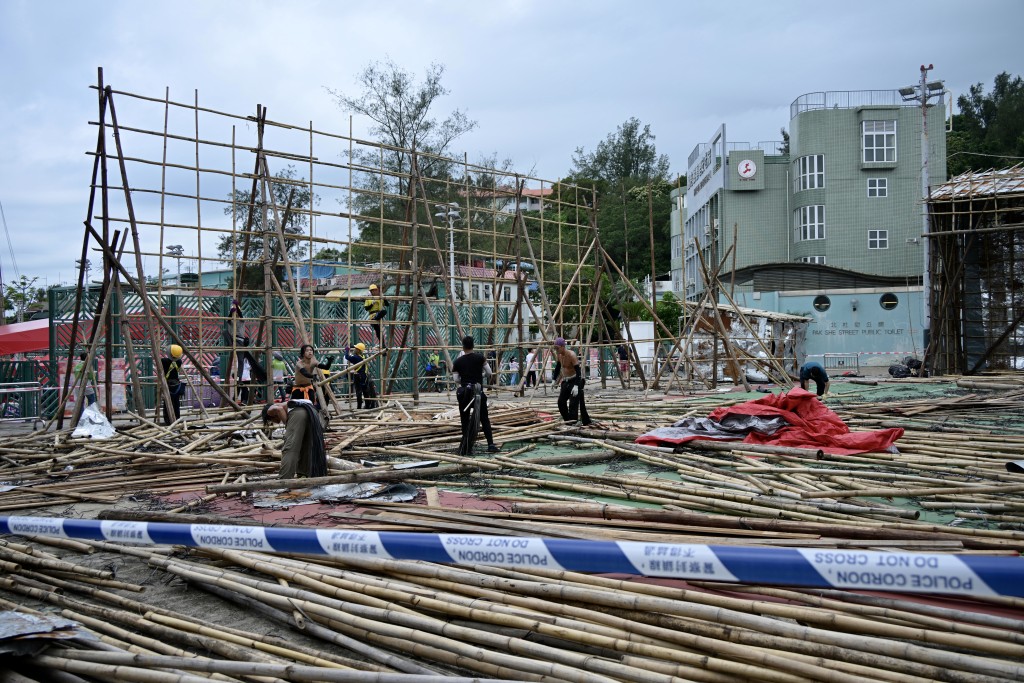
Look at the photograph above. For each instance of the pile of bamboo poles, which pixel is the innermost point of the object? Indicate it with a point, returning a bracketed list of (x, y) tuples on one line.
[(948, 490), (390, 617), (53, 468)]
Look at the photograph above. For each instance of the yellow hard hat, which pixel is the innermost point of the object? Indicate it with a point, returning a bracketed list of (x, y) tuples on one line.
[(175, 351), (373, 287), (361, 346)]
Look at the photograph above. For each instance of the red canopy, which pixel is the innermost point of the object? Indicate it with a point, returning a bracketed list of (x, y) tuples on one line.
[(25, 337)]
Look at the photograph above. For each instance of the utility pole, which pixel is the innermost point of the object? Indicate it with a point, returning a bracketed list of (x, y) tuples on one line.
[(923, 93)]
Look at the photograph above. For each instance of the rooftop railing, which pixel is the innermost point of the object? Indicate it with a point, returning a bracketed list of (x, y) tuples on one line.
[(847, 99)]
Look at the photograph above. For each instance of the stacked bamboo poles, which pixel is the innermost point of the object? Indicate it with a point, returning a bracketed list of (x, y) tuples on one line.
[(388, 617), (443, 622)]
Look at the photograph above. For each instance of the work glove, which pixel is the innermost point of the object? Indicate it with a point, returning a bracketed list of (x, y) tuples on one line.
[(575, 391), (330, 359)]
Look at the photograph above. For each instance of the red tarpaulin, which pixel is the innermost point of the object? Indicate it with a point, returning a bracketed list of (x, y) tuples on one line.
[(25, 337), (810, 425)]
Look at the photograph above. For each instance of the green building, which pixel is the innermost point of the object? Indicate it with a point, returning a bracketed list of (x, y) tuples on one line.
[(835, 213)]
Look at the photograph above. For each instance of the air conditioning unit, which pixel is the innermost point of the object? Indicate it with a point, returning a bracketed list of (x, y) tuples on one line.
[(707, 230)]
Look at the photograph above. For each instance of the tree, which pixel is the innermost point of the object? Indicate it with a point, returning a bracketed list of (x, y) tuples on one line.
[(401, 108), (989, 130), (630, 183), (21, 294), (284, 186), (785, 141), (628, 153), (329, 254)]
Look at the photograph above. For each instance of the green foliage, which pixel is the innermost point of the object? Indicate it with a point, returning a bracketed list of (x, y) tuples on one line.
[(627, 153), (231, 247), (624, 217), (401, 108), (989, 130), (20, 295), (329, 254), (669, 309), (634, 310)]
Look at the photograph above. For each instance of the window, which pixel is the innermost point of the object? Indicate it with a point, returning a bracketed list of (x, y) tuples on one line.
[(820, 260), (810, 172), (878, 239), (810, 222), (888, 301), (508, 293), (878, 187), (879, 141), (821, 303), (476, 292)]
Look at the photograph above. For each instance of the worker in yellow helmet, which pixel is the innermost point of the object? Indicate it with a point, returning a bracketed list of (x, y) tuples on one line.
[(377, 309), (172, 368)]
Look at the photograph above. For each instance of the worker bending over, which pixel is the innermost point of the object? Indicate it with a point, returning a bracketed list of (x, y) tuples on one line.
[(814, 371)]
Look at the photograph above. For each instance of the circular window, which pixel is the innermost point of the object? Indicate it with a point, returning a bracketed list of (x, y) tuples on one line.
[(888, 301), (822, 303)]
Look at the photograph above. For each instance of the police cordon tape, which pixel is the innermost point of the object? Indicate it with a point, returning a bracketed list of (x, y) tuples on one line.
[(980, 575)]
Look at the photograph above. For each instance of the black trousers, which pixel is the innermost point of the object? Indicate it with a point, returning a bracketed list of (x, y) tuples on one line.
[(465, 397), (531, 378), (175, 405), (572, 408)]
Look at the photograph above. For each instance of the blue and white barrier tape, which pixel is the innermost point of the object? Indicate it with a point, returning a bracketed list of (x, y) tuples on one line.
[(982, 575)]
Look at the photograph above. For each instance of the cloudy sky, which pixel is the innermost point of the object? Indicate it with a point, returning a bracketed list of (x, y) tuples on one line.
[(540, 78)]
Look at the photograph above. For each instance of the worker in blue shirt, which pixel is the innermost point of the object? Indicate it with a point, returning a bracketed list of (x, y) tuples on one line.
[(814, 372)]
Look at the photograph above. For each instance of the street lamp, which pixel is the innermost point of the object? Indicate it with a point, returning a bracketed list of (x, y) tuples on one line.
[(176, 251), (85, 265), (450, 212), (923, 93)]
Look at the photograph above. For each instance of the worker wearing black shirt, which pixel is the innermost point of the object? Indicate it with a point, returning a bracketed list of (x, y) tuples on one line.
[(469, 371)]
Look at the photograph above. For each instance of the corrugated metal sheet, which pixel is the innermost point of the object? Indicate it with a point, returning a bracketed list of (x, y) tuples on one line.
[(1006, 181)]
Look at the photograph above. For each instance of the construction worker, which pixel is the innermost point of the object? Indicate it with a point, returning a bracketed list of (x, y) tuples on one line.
[(469, 371), (814, 372), (172, 367), (90, 383), (377, 310), (433, 370), (90, 379), (306, 373), (303, 453), (359, 377), (571, 405), (278, 368)]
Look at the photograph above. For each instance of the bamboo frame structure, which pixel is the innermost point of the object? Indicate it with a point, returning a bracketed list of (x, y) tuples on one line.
[(283, 254), (977, 301)]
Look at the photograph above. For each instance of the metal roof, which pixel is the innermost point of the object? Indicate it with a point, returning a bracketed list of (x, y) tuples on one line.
[(1005, 181)]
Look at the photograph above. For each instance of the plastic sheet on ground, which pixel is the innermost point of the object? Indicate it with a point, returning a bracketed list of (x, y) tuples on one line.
[(25, 634), (93, 425), (390, 492), (806, 422)]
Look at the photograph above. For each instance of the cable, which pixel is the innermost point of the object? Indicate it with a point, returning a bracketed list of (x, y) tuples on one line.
[(10, 247), (982, 154)]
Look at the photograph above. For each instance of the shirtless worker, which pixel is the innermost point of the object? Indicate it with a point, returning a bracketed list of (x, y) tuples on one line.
[(570, 396)]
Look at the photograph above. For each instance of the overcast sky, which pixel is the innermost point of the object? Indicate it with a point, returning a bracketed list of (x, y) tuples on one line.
[(540, 77)]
